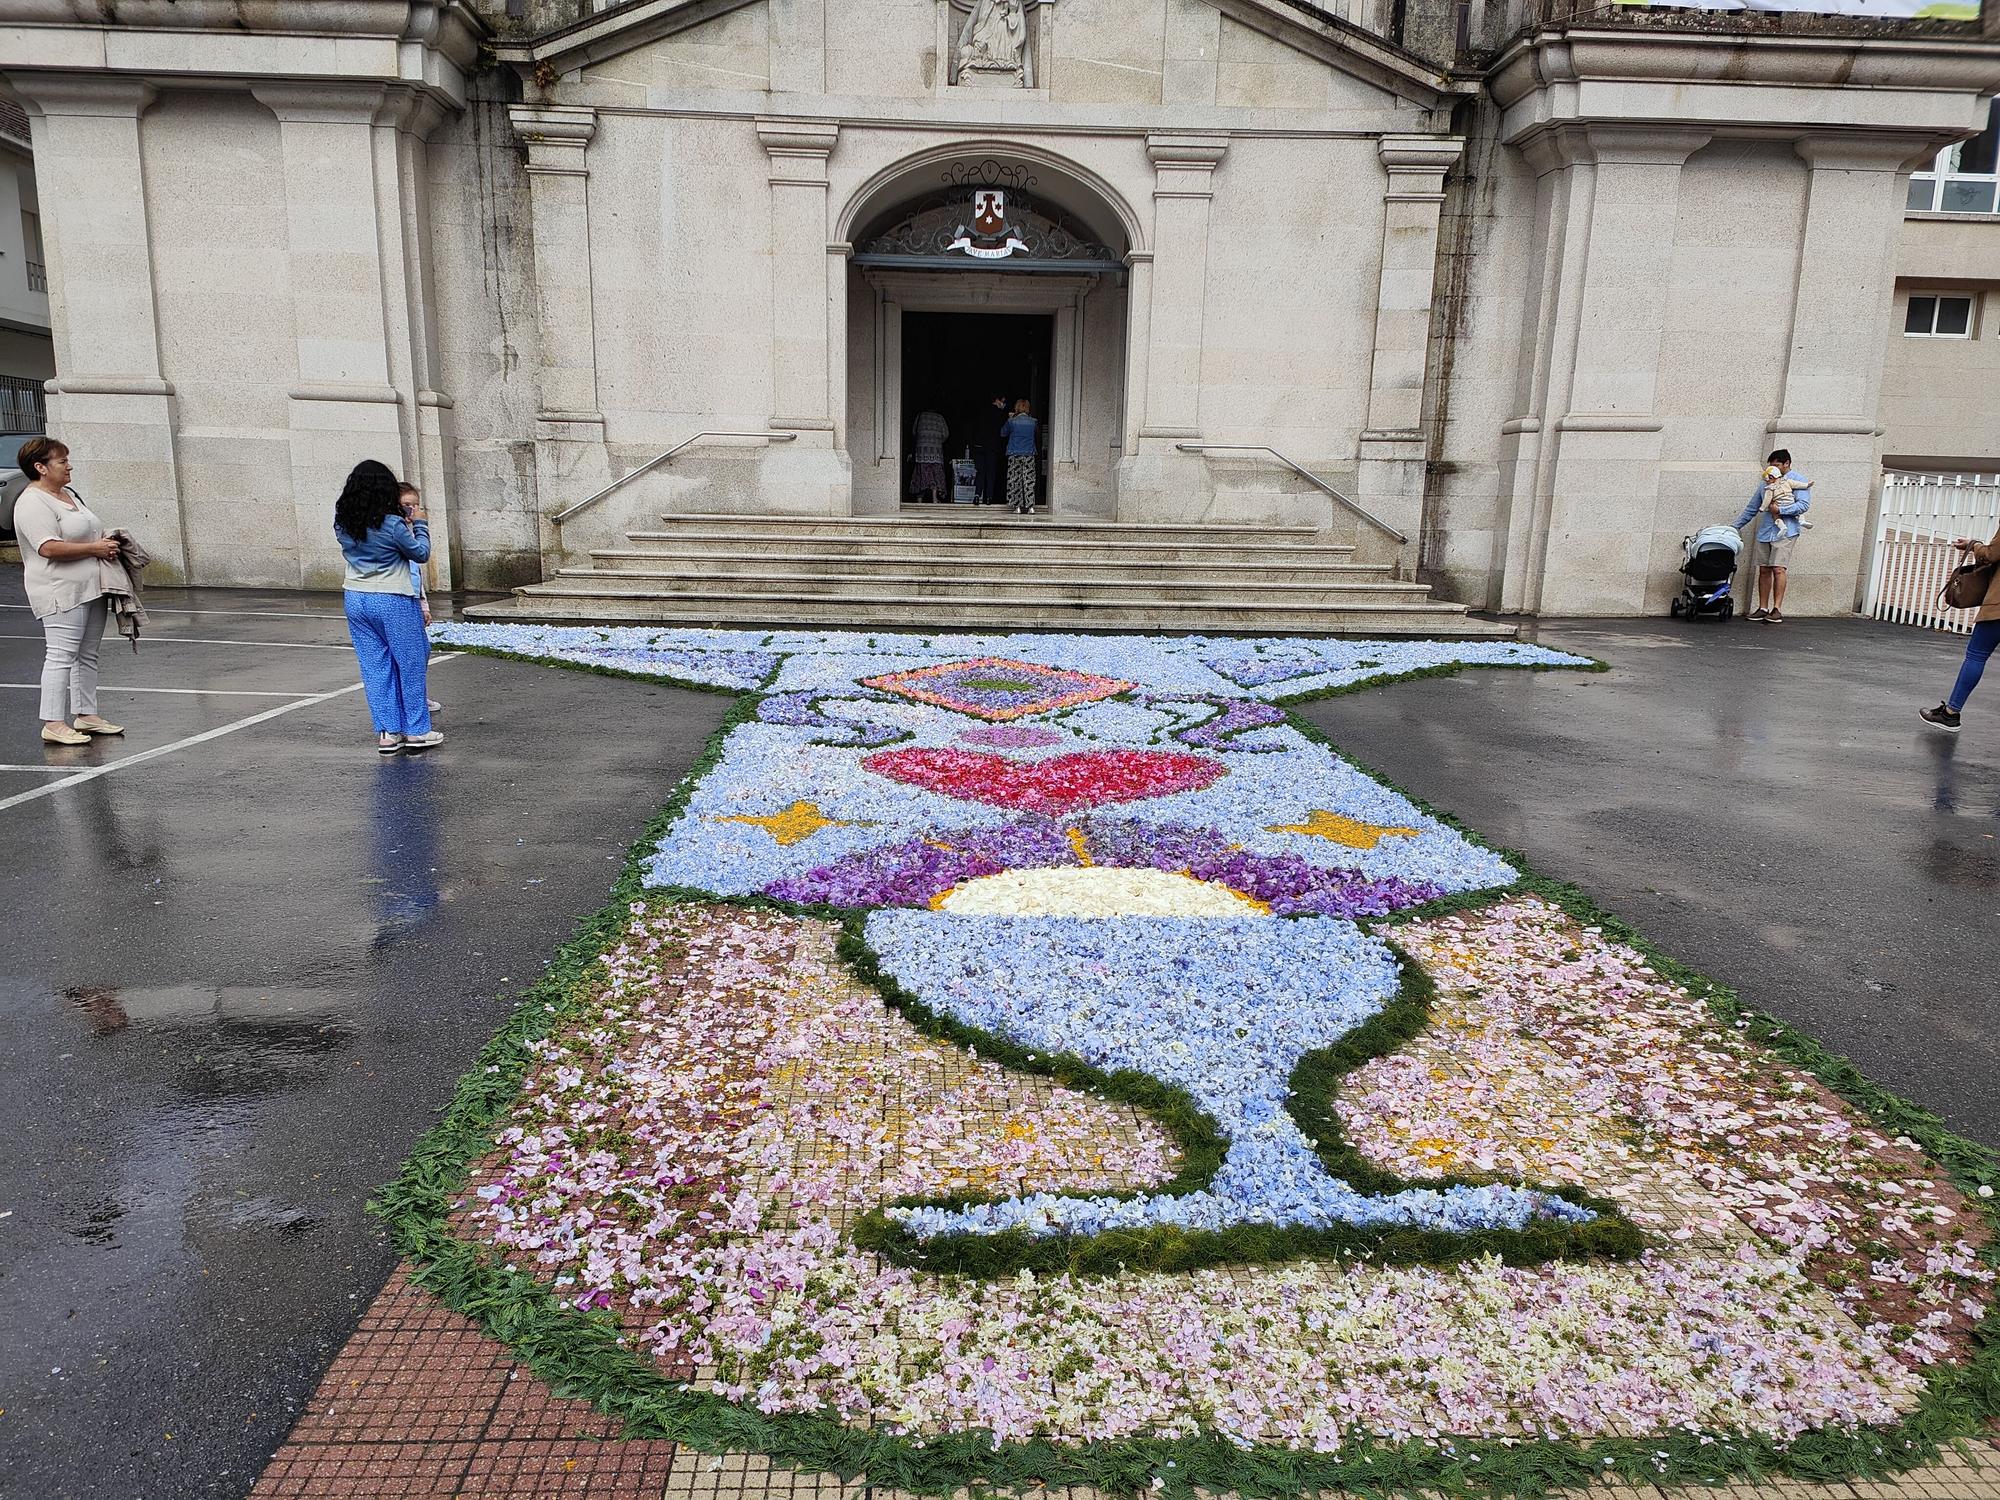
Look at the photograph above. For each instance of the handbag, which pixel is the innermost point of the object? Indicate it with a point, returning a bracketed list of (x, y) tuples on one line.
[(1968, 585)]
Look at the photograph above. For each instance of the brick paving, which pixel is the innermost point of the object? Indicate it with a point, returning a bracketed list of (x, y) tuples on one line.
[(420, 1405)]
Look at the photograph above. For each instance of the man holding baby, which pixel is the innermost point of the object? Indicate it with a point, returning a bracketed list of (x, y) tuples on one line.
[(1782, 495)]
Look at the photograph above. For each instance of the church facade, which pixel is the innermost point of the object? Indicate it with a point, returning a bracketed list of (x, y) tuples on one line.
[(1535, 288)]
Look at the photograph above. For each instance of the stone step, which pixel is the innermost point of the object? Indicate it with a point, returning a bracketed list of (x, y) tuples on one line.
[(986, 522), (1029, 545), (559, 602), (1083, 564), (1038, 586)]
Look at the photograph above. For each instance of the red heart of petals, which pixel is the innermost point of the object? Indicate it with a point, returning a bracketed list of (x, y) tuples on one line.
[(1056, 786)]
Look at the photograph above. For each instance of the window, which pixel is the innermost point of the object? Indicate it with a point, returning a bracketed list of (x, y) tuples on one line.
[(1936, 315), (1963, 179)]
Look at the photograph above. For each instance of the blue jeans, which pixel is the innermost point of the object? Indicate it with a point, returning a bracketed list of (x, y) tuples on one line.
[(388, 635), (1985, 636)]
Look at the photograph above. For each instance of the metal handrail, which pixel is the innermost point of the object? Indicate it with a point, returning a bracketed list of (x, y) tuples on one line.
[(653, 463), (1304, 473)]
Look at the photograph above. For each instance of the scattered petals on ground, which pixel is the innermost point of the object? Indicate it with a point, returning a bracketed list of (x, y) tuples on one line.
[(1554, 1046), (692, 1147)]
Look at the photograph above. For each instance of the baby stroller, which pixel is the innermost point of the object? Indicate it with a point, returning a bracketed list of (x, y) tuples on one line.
[(1708, 562)]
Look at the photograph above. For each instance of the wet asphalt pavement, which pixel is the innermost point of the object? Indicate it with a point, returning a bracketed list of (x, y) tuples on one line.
[(238, 979), (1761, 801), (236, 982)]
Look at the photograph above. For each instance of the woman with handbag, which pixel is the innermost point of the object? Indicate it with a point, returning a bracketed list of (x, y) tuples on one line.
[(1976, 583), (62, 545)]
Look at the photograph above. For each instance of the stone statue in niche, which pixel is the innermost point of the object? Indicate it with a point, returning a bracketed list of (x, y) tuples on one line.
[(993, 45)]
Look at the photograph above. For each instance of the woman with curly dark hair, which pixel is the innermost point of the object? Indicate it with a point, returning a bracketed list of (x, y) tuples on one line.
[(384, 618)]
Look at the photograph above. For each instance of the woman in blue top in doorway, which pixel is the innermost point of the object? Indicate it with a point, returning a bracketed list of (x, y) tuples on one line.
[(1019, 431), (384, 618)]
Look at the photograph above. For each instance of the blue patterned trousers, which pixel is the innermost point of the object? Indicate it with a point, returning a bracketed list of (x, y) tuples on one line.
[(388, 635)]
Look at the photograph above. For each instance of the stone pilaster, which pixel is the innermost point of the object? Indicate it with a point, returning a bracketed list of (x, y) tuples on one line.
[(1138, 343), (112, 404), (343, 405), (811, 472), (1390, 474), (1183, 187), (1610, 231), (431, 441), (571, 461), (1833, 364)]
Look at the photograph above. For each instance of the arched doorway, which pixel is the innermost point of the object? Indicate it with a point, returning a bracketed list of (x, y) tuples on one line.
[(980, 276)]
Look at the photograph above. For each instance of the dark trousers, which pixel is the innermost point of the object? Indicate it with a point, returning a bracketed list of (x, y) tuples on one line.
[(989, 474)]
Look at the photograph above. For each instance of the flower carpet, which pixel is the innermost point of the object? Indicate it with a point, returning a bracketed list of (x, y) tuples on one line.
[(1043, 1060)]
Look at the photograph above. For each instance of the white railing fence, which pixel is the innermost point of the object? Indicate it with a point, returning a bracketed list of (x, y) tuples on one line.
[(1921, 513)]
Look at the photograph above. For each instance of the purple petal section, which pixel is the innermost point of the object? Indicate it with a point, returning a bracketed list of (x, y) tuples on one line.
[(914, 872)]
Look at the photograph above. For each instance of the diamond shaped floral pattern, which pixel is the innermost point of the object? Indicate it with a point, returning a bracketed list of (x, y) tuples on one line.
[(992, 687)]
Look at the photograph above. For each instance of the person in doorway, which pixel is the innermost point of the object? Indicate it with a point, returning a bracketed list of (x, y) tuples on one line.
[(63, 545), (1781, 502), (411, 499), (384, 619), (1985, 637), (928, 480), (992, 448), (1020, 432)]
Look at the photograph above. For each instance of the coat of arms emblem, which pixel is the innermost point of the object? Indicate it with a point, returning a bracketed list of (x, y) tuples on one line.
[(990, 238)]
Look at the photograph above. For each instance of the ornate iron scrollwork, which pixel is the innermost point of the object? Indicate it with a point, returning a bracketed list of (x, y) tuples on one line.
[(963, 222)]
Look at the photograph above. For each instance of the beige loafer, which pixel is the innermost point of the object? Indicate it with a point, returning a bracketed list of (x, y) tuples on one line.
[(92, 724), (62, 734)]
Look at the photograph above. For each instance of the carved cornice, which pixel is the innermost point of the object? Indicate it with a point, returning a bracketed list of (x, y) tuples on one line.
[(1923, 89), (422, 45), (1417, 165), (104, 96), (555, 136)]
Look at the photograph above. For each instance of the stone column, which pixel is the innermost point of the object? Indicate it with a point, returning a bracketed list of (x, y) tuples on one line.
[(1591, 553), (344, 406), (810, 472), (1390, 479), (1183, 185), (1138, 336), (1833, 366), (112, 404), (431, 441), (571, 461)]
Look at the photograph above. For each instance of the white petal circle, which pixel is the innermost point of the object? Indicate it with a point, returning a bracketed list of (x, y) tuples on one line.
[(1096, 891)]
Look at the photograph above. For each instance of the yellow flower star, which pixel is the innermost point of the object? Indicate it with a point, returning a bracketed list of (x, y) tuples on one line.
[(1349, 831), (794, 825)]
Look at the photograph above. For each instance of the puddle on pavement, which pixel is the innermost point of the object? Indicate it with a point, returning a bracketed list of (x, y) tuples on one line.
[(231, 1053), (227, 1041)]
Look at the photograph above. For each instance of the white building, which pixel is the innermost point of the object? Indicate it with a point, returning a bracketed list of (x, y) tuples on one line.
[(1537, 289), (27, 355)]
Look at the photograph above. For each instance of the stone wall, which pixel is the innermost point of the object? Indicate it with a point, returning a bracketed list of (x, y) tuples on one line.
[(1939, 410)]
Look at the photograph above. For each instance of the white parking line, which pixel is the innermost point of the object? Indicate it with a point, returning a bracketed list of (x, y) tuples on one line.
[(202, 640), (108, 687), (264, 614), (194, 739), (158, 750), (34, 768)]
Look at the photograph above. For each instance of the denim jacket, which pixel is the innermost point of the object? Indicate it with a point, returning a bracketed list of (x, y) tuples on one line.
[(379, 563)]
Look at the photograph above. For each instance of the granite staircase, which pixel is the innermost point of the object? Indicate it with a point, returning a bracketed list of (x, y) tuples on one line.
[(986, 571)]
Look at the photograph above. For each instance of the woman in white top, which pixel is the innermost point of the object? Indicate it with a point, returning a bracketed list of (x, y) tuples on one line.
[(62, 543)]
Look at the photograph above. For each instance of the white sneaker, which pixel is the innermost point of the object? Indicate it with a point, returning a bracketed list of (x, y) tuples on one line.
[(423, 741), (435, 706)]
